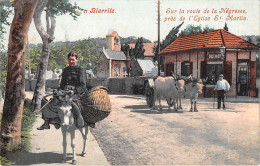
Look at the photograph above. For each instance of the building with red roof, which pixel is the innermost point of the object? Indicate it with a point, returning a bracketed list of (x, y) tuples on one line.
[(206, 55), (112, 62)]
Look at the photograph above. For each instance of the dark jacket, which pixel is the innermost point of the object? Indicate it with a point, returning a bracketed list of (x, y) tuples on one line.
[(74, 76)]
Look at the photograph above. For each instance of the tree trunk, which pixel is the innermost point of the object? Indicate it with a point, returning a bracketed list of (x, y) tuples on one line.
[(15, 86), (41, 79), (47, 38)]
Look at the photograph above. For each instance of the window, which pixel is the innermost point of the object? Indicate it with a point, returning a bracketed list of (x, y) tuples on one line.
[(213, 71), (186, 68), (115, 70), (169, 69)]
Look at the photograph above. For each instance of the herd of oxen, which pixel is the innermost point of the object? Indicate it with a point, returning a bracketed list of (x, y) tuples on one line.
[(173, 90)]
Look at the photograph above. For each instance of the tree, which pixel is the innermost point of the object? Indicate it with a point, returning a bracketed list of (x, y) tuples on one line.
[(226, 27), (14, 96), (192, 29), (52, 8), (139, 49), (171, 37)]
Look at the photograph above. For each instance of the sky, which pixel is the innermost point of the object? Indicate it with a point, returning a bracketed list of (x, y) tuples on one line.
[(139, 18)]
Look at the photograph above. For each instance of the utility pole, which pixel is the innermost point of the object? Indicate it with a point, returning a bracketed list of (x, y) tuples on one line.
[(158, 56)]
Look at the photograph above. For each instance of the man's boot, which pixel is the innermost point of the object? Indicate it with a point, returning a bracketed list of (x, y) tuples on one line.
[(45, 125)]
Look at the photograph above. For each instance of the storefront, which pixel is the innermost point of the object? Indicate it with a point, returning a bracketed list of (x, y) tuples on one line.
[(206, 55)]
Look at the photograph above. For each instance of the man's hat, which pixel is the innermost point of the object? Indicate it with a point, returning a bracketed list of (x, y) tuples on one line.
[(221, 75)]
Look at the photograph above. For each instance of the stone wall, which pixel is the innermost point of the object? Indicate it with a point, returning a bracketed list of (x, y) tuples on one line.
[(128, 85)]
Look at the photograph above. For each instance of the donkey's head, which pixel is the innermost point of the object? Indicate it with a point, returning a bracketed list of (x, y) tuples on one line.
[(65, 109)]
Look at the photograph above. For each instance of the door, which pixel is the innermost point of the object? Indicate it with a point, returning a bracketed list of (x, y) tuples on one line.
[(242, 80)]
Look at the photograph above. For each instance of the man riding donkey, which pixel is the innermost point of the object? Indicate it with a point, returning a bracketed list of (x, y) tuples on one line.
[(73, 81)]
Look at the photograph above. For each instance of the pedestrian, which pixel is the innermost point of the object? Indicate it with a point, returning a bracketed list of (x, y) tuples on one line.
[(73, 81), (222, 87)]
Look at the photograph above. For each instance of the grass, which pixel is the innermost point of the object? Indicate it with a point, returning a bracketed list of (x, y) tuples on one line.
[(28, 120)]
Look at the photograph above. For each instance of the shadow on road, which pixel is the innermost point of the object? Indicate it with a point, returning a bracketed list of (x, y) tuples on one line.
[(220, 110), (28, 158), (145, 110)]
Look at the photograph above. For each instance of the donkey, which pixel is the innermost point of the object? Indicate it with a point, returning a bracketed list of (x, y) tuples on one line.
[(68, 125)]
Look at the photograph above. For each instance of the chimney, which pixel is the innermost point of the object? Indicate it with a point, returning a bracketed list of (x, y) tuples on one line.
[(110, 42)]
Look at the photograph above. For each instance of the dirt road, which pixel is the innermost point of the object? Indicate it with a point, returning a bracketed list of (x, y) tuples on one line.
[(135, 135)]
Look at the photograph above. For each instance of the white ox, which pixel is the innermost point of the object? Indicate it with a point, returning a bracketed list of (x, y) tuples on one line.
[(165, 87), (192, 91), (68, 126)]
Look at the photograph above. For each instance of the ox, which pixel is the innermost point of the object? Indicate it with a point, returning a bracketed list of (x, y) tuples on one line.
[(192, 91), (165, 87), (64, 107)]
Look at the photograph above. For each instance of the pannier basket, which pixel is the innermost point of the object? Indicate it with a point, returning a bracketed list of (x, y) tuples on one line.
[(96, 104)]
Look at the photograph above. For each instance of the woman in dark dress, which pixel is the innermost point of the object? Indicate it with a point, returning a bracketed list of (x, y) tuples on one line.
[(73, 80)]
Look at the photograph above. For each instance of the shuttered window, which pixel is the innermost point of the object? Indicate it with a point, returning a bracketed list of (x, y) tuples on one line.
[(253, 78), (228, 72)]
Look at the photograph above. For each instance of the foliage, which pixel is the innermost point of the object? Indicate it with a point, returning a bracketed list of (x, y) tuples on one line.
[(255, 40), (59, 51), (5, 11), (5, 161), (3, 72), (61, 7), (125, 48), (192, 29), (139, 49), (171, 37), (135, 53), (226, 27), (132, 39)]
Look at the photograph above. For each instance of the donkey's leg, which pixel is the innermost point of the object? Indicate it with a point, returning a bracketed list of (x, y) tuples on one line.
[(64, 143), (72, 134), (84, 136)]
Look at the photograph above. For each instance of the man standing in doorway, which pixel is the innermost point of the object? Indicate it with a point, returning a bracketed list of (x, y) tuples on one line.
[(222, 86)]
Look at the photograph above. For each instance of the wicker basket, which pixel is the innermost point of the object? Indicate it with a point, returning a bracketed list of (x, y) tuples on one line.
[(96, 104)]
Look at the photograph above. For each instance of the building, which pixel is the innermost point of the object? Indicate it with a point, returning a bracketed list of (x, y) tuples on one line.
[(112, 62), (206, 55), (143, 67)]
